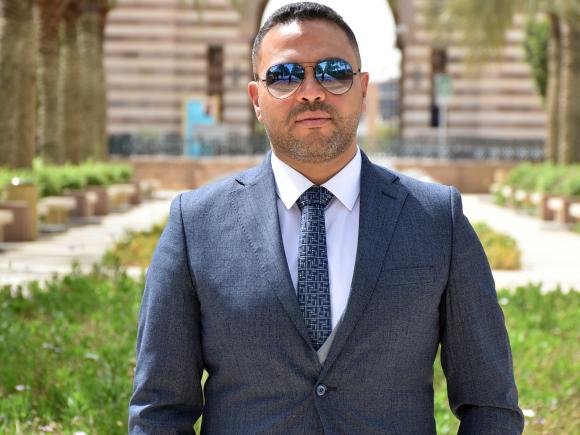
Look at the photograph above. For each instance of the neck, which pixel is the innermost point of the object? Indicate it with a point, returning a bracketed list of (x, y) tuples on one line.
[(320, 172)]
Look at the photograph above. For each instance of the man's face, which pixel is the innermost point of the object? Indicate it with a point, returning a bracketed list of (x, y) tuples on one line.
[(311, 125)]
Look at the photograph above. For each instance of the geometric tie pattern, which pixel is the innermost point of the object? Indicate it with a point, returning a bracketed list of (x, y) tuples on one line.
[(313, 286)]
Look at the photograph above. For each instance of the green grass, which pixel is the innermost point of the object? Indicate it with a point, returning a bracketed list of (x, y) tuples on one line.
[(67, 355), (545, 340)]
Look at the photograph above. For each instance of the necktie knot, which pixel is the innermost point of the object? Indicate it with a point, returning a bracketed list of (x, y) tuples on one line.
[(315, 196)]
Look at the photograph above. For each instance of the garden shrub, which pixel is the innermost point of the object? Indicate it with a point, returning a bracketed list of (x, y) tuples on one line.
[(546, 178), (502, 250), (55, 180)]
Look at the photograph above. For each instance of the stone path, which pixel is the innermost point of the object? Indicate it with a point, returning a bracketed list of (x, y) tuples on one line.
[(54, 253), (550, 254)]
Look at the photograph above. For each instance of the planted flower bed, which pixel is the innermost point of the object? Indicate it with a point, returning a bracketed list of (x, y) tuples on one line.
[(53, 193), (550, 191), (56, 180)]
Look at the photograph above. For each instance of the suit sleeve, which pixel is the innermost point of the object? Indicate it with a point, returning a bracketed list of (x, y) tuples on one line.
[(167, 396), (475, 350)]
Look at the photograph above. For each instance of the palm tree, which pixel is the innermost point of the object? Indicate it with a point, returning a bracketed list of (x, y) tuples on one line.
[(92, 38), (553, 89), (569, 95), (70, 85), (51, 15), (482, 25), (17, 84), (89, 41), (101, 81), (82, 80)]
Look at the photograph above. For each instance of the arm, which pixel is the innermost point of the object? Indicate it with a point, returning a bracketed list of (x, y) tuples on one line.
[(475, 349), (167, 396)]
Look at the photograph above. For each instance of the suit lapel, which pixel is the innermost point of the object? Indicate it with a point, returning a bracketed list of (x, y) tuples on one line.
[(255, 200), (381, 201)]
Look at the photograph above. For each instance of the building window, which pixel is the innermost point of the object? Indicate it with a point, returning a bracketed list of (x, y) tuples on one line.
[(438, 66), (215, 88)]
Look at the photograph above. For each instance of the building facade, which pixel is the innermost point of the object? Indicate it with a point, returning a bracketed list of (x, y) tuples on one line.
[(162, 55), (496, 102)]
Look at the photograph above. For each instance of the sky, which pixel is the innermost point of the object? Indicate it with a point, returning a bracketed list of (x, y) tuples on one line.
[(374, 28)]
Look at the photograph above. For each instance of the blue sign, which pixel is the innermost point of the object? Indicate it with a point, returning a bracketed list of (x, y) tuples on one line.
[(195, 114)]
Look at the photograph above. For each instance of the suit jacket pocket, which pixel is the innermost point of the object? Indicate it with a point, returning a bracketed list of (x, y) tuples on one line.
[(408, 275)]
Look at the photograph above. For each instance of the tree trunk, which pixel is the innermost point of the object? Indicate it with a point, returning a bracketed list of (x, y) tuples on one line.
[(569, 147), (553, 91), (17, 71), (27, 110), (9, 78), (71, 86), (102, 150), (50, 19), (89, 43)]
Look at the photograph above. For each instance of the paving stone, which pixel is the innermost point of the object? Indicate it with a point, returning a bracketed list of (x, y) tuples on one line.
[(54, 253)]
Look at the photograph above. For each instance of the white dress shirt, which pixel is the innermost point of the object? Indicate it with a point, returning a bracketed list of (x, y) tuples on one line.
[(341, 218)]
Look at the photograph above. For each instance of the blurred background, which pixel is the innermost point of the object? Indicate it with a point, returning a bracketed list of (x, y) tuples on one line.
[(449, 79), (110, 107)]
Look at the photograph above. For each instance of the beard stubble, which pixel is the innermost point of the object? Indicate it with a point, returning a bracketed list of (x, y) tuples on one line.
[(315, 147)]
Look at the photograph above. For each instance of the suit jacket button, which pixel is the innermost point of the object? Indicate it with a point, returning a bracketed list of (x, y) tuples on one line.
[(321, 390)]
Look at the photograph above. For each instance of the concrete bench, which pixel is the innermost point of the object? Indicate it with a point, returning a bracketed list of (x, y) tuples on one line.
[(120, 195), (522, 196), (574, 211), (55, 210), (6, 217), (561, 207), (19, 229), (102, 204), (92, 198), (148, 187), (509, 193), (541, 201), (25, 226), (536, 198), (85, 202)]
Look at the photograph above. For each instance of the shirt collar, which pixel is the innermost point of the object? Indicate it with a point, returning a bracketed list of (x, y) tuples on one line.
[(290, 183)]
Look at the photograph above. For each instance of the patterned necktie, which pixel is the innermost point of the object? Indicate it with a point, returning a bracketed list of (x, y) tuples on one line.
[(313, 288)]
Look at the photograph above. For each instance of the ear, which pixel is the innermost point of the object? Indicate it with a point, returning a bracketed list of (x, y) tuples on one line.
[(364, 81), (254, 98)]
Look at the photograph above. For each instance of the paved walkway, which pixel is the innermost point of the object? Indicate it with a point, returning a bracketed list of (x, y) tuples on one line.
[(54, 253), (550, 254)]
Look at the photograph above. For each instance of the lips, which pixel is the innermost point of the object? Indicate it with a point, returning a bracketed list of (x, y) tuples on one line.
[(313, 119)]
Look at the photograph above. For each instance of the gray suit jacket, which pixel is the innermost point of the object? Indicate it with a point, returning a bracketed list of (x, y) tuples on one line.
[(219, 297)]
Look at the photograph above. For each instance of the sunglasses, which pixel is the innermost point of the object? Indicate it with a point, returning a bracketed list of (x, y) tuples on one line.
[(334, 75)]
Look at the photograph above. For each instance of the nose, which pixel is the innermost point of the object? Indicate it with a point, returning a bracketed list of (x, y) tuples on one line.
[(310, 89)]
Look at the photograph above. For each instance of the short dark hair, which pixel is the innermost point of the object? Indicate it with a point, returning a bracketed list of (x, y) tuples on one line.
[(302, 11)]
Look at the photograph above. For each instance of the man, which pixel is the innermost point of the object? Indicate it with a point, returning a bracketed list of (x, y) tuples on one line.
[(316, 288)]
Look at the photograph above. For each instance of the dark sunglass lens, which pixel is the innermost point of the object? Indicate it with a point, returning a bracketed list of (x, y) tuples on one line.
[(335, 75), (283, 79)]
